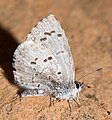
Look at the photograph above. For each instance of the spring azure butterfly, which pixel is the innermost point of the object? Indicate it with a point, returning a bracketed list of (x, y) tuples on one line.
[(43, 64)]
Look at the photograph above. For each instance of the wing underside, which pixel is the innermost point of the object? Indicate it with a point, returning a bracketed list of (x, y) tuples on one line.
[(45, 55)]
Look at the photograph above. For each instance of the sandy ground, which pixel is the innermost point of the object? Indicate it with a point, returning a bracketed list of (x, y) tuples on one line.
[(88, 25)]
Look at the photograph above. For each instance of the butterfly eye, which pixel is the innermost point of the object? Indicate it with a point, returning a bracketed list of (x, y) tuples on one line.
[(77, 85)]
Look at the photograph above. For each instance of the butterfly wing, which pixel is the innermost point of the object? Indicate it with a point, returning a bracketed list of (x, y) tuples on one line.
[(45, 55)]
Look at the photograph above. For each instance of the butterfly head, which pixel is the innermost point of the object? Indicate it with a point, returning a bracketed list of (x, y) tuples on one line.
[(76, 88), (78, 85), (73, 91)]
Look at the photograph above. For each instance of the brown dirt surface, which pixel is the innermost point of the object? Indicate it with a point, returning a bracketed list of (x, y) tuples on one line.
[(88, 25)]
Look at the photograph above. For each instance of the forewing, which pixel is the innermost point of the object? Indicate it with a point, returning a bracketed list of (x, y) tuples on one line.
[(49, 33), (45, 55)]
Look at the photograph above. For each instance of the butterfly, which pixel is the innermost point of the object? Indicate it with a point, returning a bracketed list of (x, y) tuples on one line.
[(43, 64)]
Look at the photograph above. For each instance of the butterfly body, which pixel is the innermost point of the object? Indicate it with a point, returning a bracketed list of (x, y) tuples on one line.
[(55, 89)]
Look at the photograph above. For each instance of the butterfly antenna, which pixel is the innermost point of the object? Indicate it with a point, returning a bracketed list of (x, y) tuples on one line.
[(90, 73)]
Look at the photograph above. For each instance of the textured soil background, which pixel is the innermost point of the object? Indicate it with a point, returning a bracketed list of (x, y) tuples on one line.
[(88, 25)]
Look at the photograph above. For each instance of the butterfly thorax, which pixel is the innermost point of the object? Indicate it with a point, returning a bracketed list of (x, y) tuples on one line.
[(63, 91)]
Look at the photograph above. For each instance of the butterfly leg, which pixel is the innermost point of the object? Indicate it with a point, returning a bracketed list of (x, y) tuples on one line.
[(50, 101), (53, 100), (69, 105), (77, 102)]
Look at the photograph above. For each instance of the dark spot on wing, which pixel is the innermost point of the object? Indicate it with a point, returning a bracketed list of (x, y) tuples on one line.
[(36, 59), (59, 52), (49, 58), (59, 73), (59, 35), (49, 77), (47, 33), (38, 85), (20, 53), (45, 60), (30, 32), (32, 91), (33, 62), (67, 87), (34, 69), (36, 74), (14, 69), (43, 39), (53, 31), (32, 79), (41, 19), (35, 25), (18, 61), (56, 18)]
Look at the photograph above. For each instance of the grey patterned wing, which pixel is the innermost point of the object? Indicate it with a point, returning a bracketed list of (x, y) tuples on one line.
[(45, 55)]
